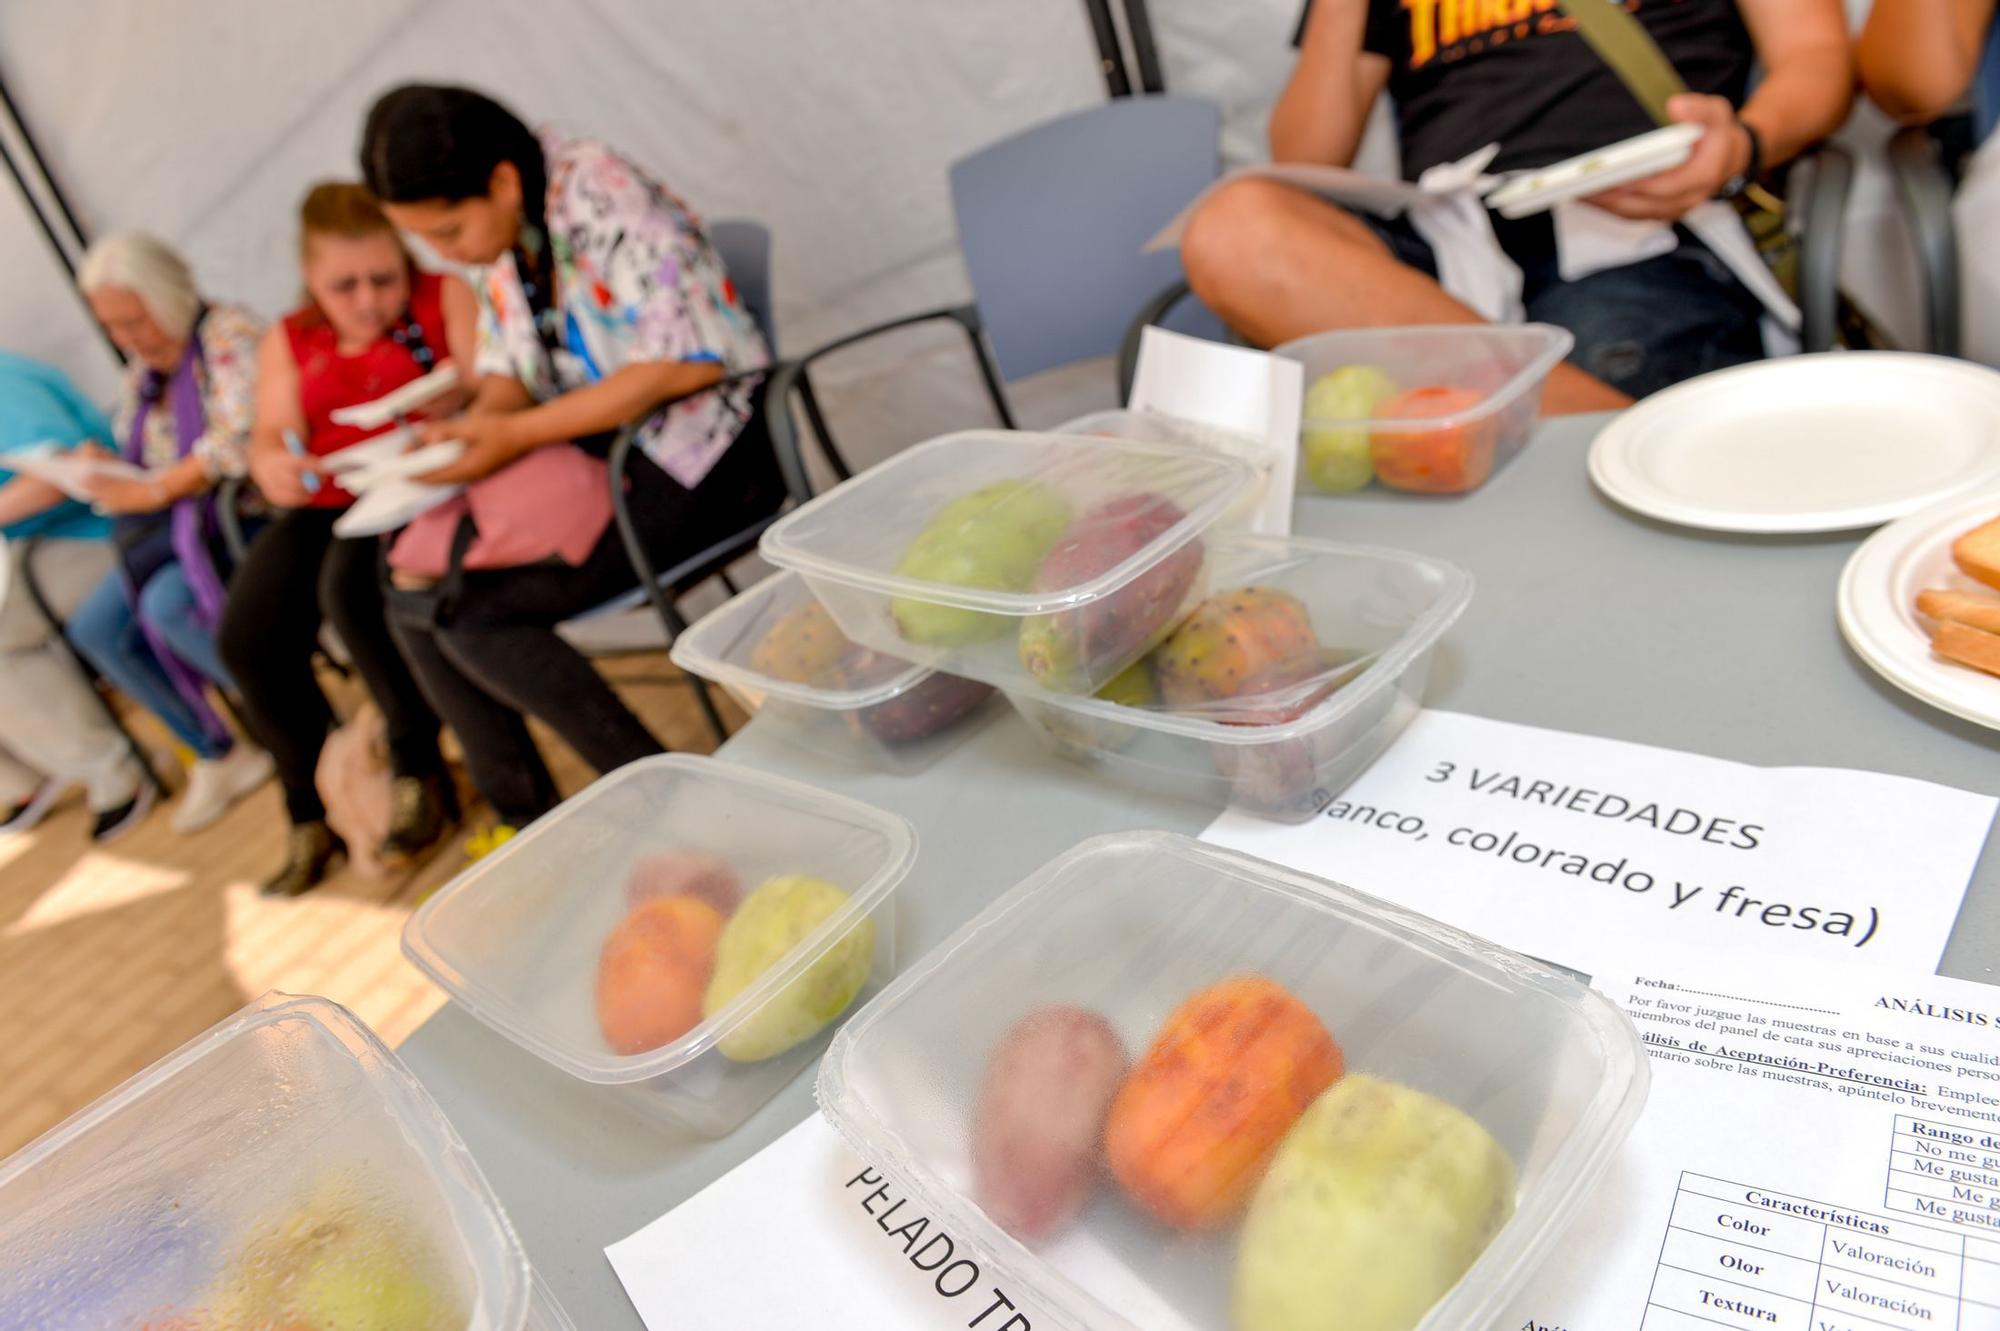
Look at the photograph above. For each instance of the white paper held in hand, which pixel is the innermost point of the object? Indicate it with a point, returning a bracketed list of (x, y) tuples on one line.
[(1250, 395), (400, 402), (70, 472), (859, 1254)]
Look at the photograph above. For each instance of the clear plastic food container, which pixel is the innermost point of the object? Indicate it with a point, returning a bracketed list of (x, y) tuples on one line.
[(779, 653), (1376, 614), (282, 1169), (1435, 410), (1163, 429), (1012, 558), (683, 932), (1161, 1072)]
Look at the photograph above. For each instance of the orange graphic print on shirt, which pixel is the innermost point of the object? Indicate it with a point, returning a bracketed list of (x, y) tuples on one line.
[(1449, 29)]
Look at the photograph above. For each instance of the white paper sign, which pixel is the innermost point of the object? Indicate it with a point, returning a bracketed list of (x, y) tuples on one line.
[(1545, 841), (72, 472), (1248, 393), (854, 1255), (1820, 1151)]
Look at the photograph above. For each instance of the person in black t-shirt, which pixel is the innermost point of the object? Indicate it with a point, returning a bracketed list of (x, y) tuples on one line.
[(1277, 262)]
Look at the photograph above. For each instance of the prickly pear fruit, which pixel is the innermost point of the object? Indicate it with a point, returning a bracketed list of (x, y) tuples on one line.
[(1067, 651), (934, 704), (1336, 456), (1040, 1116), (801, 647), (684, 873), (1134, 686), (1225, 1079), (653, 971), (992, 539), (1238, 643), (772, 921), (1377, 1202)]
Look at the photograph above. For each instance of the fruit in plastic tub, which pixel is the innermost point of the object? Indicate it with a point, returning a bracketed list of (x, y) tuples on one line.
[(1337, 456), (1238, 643), (992, 539), (801, 647), (935, 703), (653, 972), (1378, 1201), (1039, 1119), (1206, 1105), (1065, 649), (771, 921), (684, 873), (338, 1261), (1447, 459)]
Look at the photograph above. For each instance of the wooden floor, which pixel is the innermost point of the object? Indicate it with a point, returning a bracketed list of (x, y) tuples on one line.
[(112, 957)]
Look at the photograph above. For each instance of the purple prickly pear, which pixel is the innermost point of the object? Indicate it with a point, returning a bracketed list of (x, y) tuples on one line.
[(1069, 649)]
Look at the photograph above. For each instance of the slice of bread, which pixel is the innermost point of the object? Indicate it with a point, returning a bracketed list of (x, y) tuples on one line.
[(1975, 610), (1978, 553), (1956, 642)]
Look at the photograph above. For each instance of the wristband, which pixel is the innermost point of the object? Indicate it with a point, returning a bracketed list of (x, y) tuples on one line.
[(1752, 169)]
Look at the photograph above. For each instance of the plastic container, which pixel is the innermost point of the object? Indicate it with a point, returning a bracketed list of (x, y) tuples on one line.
[(516, 939), (286, 1144), (851, 542), (1129, 926), (777, 653), (1283, 756), (1434, 443), (1158, 428)]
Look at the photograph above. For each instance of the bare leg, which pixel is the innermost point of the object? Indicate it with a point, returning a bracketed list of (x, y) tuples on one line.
[(1278, 263)]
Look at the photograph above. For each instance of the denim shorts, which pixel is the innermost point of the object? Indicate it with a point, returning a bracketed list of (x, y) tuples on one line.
[(1639, 328)]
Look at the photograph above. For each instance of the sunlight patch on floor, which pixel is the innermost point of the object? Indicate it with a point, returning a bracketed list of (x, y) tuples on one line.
[(96, 882)]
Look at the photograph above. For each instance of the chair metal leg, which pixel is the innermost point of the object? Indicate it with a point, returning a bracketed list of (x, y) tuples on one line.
[(814, 416), (649, 578), (91, 678), (968, 320)]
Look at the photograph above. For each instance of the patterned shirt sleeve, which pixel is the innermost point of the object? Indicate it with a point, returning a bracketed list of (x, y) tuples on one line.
[(229, 351), (653, 269), (491, 355)]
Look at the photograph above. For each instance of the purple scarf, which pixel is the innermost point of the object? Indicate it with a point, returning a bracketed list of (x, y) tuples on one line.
[(192, 525)]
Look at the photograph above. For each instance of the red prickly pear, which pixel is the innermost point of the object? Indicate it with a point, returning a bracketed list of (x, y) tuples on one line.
[(934, 704), (1070, 650)]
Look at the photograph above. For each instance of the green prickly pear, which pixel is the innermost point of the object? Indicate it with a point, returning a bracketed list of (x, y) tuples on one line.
[(1337, 456), (1237, 644), (772, 921), (1134, 686), (1068, 651), (1378, 1200), (992, 539)]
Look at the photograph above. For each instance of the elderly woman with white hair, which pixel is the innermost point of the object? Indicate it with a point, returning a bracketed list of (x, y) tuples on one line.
[(184, 415)]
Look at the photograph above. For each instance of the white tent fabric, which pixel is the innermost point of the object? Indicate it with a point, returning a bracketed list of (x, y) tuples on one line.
[(833, 124)]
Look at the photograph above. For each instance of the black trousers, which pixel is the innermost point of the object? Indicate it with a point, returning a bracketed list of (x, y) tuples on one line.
[(296, 573), (488, 656)]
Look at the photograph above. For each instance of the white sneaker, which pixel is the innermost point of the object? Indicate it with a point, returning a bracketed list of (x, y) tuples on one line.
[(216, 783)]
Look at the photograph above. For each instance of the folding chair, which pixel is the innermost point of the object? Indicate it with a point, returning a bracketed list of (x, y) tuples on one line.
[(745, 248), (1050, 222)]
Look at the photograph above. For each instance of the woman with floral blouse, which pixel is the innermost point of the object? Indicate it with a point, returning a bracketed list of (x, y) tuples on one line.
[(183, 416), (601, 303)]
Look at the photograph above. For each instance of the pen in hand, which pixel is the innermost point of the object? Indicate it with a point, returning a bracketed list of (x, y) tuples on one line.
[(297, 448)]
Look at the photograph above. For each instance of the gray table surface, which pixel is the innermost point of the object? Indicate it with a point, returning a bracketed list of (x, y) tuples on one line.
[(1586, 618)]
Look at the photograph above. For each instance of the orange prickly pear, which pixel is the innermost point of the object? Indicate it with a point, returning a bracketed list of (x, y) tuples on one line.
[(801, 647), (1238, 644), (1206, 1105), (1070, 650)]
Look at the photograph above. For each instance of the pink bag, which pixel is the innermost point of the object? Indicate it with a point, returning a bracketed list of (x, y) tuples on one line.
[(553, 501)]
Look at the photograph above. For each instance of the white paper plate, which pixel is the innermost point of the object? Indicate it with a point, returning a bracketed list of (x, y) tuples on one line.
[(384, 409), (1620, 163), (1878, 606), (369, 452), (390, 505), (402, 466), (1828, 442)]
